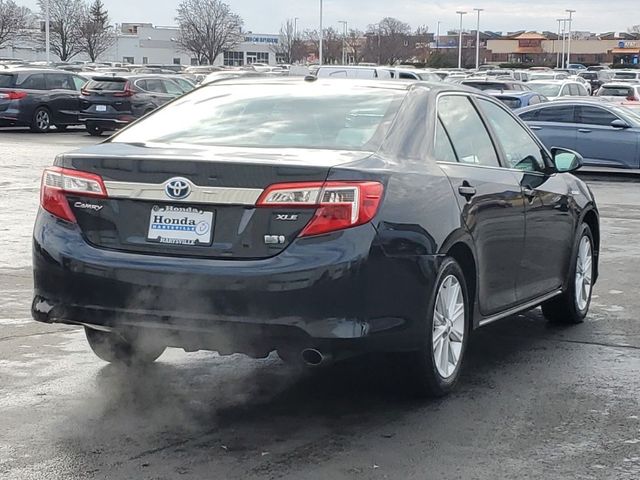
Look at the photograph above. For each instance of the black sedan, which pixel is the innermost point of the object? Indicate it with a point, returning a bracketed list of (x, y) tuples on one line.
[(318, 218)]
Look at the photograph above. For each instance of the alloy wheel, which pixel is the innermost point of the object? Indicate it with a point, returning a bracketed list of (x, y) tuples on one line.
[(584, 272), (42, 120), (448, 326)]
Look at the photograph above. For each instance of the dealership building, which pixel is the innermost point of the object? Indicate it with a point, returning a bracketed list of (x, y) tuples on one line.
[(144, 43)]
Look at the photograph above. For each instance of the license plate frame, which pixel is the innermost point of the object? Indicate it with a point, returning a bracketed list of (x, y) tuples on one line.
[(181, 226), (101, 108)]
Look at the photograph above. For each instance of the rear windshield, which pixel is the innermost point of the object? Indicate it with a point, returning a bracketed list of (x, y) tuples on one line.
[(7, 80), (546, 89), (106, 85), (589, 75), (286, 116), (511, 102), (614, 91), (625, 75), (486, 85)]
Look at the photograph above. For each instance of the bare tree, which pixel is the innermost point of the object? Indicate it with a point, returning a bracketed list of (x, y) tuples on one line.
[(207, 28), (65, 19), (389, 40), (354, 44), (13, 18), (96, 33), (284, 49)]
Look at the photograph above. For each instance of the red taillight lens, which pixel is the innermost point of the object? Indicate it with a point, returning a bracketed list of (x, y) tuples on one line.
[(13, 95), (338, 205), (127, 92), (632, 98), (58, 182)]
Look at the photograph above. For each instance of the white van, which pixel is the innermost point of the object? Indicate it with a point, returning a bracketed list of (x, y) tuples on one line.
[(349, 71)]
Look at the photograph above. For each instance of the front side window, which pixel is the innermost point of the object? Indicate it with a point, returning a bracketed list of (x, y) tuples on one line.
[(466, 130), (595, 116), (520, 150)]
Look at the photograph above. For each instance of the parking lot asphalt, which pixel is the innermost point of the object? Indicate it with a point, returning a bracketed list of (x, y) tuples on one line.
[(534, 401)]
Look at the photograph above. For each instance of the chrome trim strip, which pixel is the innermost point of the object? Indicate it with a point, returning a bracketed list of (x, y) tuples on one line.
[(521, 308), (199, 194)]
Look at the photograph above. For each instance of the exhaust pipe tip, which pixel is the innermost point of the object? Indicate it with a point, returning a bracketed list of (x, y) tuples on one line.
[(312, 357)]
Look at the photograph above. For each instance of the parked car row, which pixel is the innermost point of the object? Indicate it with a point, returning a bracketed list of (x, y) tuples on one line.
[(44, 98)]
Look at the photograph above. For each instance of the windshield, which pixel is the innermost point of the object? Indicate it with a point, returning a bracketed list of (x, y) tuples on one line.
[(285, 116), (546, 89)]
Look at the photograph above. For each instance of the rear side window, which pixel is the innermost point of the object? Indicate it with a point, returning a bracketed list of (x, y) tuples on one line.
[(7, 80), (56, 81), (443, 150), (534, 100), (106, 85), (172, 87), (33, 82), (154, 85), (466, 130), (595, 116)]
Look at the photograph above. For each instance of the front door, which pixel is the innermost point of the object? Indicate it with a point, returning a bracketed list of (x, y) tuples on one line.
[(549, 223), (603, 145)]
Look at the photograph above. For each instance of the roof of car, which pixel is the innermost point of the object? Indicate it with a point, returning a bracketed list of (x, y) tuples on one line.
[(511, 93)]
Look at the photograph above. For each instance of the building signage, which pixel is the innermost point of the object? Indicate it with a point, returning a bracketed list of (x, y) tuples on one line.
[(629, 44)]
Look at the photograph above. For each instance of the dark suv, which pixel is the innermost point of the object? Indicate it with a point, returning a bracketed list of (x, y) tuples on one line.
[(110, 102), (39, 98)]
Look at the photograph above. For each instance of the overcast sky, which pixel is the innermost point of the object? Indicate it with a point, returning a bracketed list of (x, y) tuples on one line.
[(266, 16)]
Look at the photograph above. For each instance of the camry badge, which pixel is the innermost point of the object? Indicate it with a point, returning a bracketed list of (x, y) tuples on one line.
[(177, 188)]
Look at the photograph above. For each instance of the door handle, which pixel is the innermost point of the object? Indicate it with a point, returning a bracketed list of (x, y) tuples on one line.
[(584, 130), (466, 190), (533, 127)]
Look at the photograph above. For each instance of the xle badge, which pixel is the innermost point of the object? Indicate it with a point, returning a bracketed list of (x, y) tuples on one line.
[(287, 217), (274, 239)]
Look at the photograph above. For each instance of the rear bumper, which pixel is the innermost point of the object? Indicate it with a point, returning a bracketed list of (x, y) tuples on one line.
[(337, 291), (108, 123)]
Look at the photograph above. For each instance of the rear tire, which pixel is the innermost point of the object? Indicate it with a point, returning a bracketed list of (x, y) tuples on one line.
[(94, 130), (437, 366), (573, 305), (114, 348), (41, 122)]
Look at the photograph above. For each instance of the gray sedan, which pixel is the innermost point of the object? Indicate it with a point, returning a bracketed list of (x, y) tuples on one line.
[(606, 135)]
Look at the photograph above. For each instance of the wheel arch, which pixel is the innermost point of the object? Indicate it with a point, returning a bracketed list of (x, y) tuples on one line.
[(463, 253), (591, 219)]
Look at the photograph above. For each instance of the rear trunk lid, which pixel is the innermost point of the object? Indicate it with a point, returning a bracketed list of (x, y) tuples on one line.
[(217, 219)]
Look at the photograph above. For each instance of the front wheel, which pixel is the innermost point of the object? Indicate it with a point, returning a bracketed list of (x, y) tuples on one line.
[(41, 121), (573, 305), (112, 347), (437, 366)]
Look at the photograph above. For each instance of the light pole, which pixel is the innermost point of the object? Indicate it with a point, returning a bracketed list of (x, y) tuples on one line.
[(570, 12), (478, 38), (321, 36), (564, 32), (438, 37), (555, 46), (295, 27), (344, 40), (47, 37), (461, 13)]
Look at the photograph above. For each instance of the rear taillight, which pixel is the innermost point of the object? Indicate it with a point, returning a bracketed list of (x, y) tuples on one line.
[(58, 182), (127, 92), (338, 205), (13, 95), (632, 97)]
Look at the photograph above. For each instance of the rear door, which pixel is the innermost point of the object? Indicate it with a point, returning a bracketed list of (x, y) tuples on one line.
[(157, 93), (64, 99), (489, 196), (603, 145), (554, 125)]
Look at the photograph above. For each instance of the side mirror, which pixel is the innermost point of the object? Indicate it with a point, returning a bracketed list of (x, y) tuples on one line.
[(617, 123), (566, 160)]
